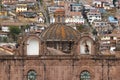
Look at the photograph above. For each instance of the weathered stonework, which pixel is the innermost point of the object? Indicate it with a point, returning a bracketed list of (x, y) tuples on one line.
[(66, 66), (16, 68)]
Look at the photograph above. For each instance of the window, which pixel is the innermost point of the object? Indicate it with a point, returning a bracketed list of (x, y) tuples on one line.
[(85, 75), (79, 8), (32, 47), (97, 24), (31, 75), (74, 8)]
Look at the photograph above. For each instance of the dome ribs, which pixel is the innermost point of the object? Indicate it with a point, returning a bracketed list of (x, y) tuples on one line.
[(63, 35), (59, 32)]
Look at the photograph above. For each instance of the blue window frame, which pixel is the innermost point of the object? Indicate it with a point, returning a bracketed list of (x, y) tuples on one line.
[(31, 75), (85, 75)]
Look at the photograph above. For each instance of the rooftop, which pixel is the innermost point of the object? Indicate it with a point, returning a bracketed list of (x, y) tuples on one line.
[(59, 32)]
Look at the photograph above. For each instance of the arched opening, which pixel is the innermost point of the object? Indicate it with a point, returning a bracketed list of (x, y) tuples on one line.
[(65, 46), (33, 47), (85, 47), (32, 75), (85, 75)]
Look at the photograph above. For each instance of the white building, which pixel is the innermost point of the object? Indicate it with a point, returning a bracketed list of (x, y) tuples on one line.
[(52, 9), (110, 41), (98, 3), (102, 27), (106, 4), (21, 7), (5, 29), (76, 7), (92, 15), (75, 19)]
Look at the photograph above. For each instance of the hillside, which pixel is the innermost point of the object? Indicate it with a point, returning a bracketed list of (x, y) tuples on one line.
[(86, 1)]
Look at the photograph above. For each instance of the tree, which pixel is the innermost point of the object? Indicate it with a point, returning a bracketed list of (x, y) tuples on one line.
[(1, 6), (14, 32), (40, 1), (24, 27), (83, 28), (80, 27), (94, 32), (114, 2), (43, 8)]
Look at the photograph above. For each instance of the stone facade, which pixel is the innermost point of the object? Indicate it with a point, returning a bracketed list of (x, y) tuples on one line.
[(67, 66), (59, 67)]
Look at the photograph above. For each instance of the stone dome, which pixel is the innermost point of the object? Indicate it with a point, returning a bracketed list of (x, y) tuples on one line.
[(59, 32)]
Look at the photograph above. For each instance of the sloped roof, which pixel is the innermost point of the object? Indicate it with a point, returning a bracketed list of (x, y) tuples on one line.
[(6, 51), (53, 51), (60, 10)]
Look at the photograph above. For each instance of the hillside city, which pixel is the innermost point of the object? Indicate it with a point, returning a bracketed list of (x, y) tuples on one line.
[(59, 39), (99, 18)]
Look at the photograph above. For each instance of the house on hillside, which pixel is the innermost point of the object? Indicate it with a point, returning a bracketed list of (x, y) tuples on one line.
[(93, 14), (113, 21), (102, 27), (73, 13), (110, 41), (52, 9), (21, 7), (60, 53), (103, 4), (76, 7), (9, 1)]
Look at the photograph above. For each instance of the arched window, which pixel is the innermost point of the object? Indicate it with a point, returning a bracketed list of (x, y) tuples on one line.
[(33, 47), (85, 75), (31, 75), (85, 47)]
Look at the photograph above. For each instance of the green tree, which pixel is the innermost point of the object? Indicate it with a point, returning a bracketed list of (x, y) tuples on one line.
[(24, 27), (80, 27), (94, 32), (14, 32), (41, 2), (114, 2), (0, 6)]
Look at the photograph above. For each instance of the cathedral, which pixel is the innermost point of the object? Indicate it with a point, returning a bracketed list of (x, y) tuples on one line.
[(58, 53)]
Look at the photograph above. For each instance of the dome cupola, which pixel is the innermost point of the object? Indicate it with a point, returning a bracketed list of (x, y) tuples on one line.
[(60, 36), (59, 32)]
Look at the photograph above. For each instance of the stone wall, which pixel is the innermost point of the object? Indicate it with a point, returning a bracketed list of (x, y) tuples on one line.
[(16, 68)]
